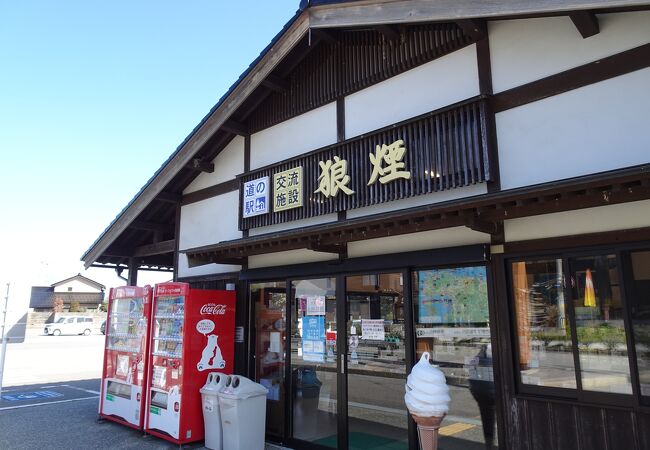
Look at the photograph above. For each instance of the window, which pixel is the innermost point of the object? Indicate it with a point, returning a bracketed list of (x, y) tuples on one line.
[(572, 327)]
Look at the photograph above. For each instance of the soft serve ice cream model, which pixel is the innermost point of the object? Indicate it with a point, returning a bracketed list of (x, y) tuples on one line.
[(427, 399)]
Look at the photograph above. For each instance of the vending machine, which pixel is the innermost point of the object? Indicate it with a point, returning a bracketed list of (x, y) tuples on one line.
[(192, 334), (126, 351)]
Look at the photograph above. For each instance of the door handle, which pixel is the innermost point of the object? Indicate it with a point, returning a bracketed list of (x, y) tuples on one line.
[(342, 363)]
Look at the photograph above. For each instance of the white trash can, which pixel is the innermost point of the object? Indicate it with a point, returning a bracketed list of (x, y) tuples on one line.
[(243, 414), (211, 414)]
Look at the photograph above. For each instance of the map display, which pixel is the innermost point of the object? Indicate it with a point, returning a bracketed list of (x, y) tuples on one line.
[(453, 296)]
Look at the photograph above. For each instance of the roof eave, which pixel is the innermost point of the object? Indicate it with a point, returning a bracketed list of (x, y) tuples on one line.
[(384, 12)]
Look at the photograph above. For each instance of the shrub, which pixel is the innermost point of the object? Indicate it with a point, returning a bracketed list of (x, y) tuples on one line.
[(76, 307)]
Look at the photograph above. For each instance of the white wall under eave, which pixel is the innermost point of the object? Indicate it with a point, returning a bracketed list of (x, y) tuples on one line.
[(76, 286), (526, 50), (420, 200), (425, 240), (600, 127), (301, 256), (301, 134), (444, 81), (210, 221), (327, 218), (227, 165), (207, 269), (590, 220)]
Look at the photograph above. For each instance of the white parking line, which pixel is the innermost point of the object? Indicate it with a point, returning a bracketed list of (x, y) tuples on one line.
[(48, 403), (79, 389)]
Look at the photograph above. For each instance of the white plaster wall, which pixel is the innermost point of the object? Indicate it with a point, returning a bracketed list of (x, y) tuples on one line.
[(603, 126), (450, 237), (525, 50), (293, 225), (309, 131), (433, 85), (210, 221), (207, 269), (227, 165), (420, 200), (77, 286), (301, 256), (590, 220)]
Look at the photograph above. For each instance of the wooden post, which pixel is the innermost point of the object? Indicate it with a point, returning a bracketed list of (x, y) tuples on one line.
[(133, 272)]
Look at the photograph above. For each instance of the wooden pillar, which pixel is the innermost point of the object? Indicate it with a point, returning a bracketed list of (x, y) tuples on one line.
[(133, 272)]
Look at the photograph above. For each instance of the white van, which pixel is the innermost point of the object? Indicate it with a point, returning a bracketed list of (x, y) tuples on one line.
[(70, 325)]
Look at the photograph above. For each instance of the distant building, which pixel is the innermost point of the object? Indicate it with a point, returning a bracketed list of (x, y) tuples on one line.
[(89, 294)]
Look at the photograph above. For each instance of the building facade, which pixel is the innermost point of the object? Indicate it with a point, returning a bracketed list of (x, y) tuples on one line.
[(391, 178)]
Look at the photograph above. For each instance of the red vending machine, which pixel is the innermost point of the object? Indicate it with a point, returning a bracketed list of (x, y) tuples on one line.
[(192, 334), (126, 352)]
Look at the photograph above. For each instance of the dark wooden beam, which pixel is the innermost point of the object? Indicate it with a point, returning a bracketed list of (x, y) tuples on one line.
[(473, 222), (151, 226), (325, 35), (212, 191), (169, 197), (390, 32), (155, 249), (201, 165), (133, 272), (586, 22), (235, 127), (476, 29), (328, 248), (276, 83), (594, 72)]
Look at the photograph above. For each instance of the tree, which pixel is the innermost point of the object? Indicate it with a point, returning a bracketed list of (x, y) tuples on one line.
[(76, 307), (57, 305)]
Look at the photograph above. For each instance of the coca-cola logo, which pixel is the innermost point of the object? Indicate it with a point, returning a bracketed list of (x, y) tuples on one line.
[(213, 308)]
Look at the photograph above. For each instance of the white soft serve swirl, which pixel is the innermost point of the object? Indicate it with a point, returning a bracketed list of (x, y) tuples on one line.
[(427, 393)]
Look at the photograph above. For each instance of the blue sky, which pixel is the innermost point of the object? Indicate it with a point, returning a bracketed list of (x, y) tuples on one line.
[(94, 96)]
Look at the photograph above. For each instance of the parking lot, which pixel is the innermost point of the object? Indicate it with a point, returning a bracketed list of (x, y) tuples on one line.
[(47, 359)]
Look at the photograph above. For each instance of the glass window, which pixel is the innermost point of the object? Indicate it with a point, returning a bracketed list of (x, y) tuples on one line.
[(640, 308), (313, 361), (452, 324), (542, 327), (270, 300), (602, 343)]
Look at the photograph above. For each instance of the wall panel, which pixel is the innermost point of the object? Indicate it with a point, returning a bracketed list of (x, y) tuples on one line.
[(227, 165), (441, 82), (582, 221), (596, 128), (314, 129), (210, 221), (525, 50)]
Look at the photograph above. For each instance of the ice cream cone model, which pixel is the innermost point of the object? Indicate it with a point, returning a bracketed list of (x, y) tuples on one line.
[(427, 399)]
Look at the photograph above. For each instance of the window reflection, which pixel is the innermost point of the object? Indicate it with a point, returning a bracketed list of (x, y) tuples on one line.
[(640, 307), (452, 324), (545, 346), (602, 344)]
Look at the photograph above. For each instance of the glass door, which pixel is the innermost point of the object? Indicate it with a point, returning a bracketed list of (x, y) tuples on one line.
[(376, 362), (313, 370)]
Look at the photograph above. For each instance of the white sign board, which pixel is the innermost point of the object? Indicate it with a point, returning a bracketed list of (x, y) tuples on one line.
[(316, 305), (256, 197), (373, 329)]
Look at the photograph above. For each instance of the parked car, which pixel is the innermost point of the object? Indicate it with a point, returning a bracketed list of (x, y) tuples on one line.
[(102, 327), (70, 325)]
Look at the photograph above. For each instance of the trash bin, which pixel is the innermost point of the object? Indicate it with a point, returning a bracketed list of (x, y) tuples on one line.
[(211, 414), (306, 393), (243, 414)]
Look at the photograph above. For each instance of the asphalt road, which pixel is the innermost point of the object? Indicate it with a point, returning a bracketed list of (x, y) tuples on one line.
[(68, 421)]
